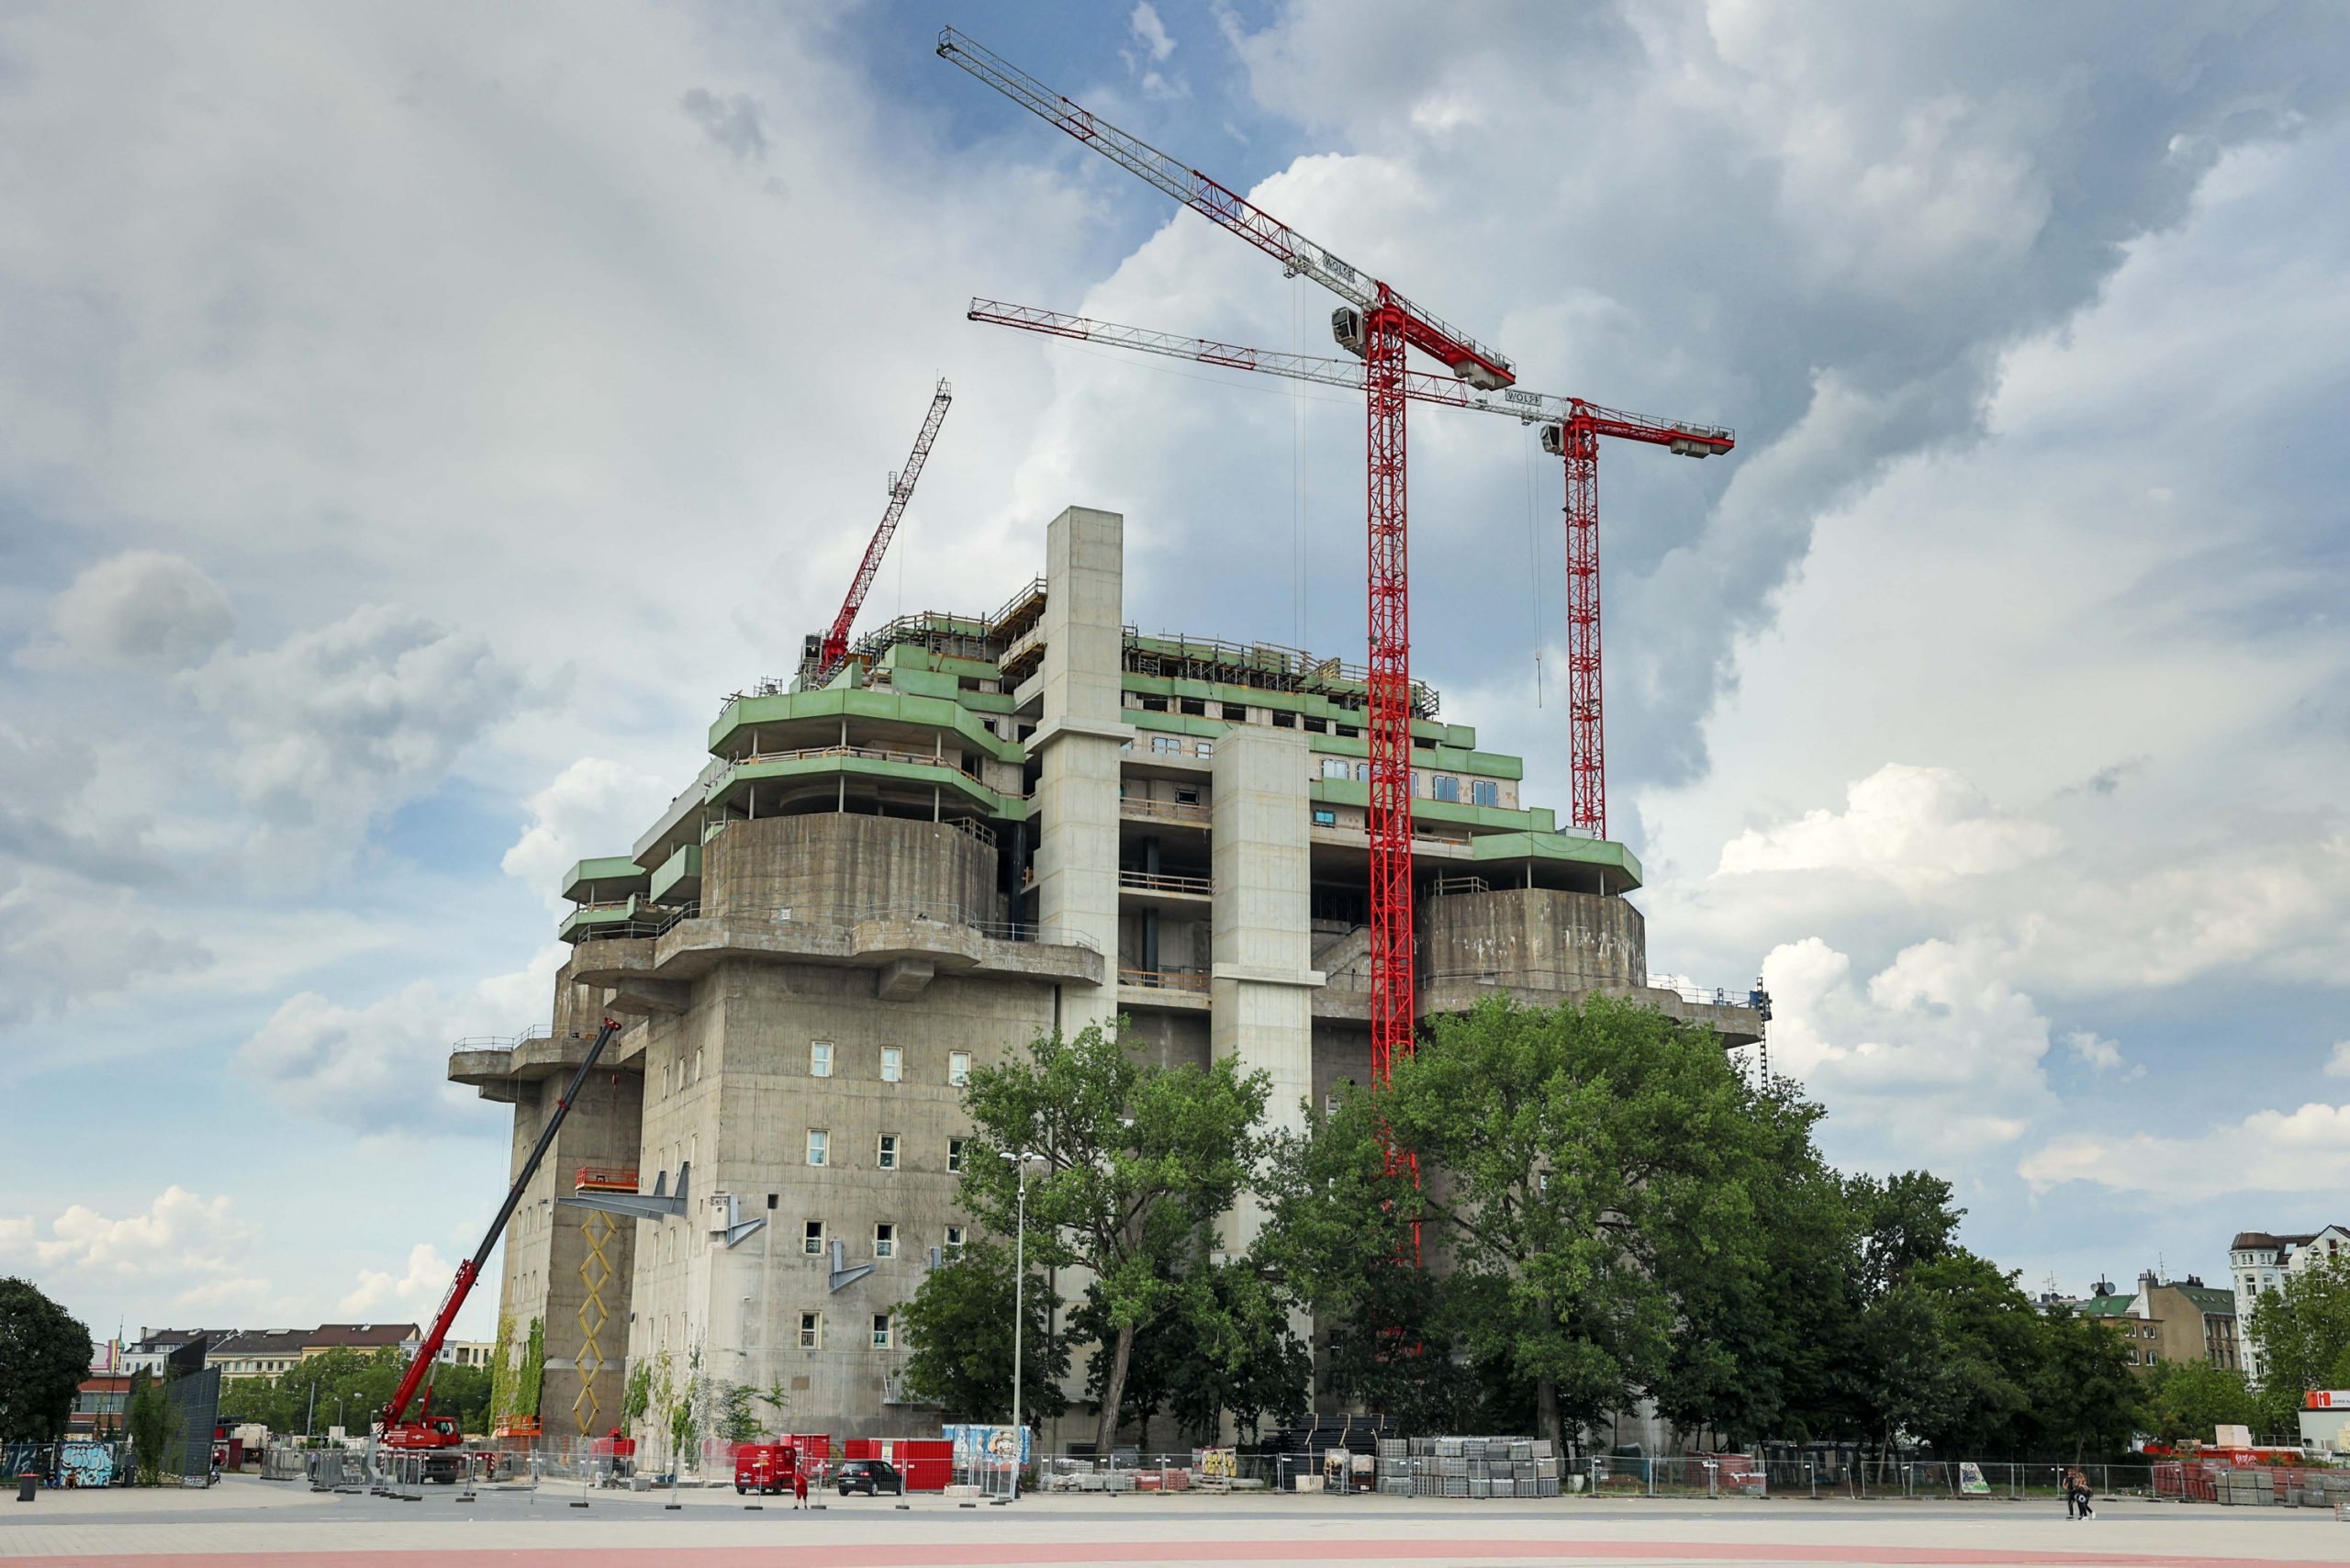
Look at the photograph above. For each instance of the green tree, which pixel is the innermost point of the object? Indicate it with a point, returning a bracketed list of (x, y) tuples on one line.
[(2189, 1400), (778, 1399), (1904, 1221), (257, 1399), (44, 1356), (736, 1410), (1575, 1161), (2303, 1328), (2086, 1399), (530, 1378), (636, 1397), (1137, 1159), (1245, 1359), (1995, 1344), (1342, 1241), (1766, 1346), (960, 1327), (502, 1370), (147, 1418)]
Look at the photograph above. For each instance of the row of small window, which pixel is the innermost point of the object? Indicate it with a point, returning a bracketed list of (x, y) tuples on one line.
[(815, 1236), (811, 1331), (893, 1066), (1434, 786), (885, 1150)]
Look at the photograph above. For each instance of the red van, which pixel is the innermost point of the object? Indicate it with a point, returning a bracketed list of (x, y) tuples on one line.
[(764, 1468)]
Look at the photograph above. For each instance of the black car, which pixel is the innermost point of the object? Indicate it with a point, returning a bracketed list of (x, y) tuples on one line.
[(874, 1477)]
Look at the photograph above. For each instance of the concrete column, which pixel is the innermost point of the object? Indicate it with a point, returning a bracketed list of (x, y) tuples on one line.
[(1260, 989), (1078, 738)]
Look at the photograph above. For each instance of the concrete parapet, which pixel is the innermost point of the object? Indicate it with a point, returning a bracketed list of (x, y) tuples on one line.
[(1541, 936), (828, 861), (694, 948)]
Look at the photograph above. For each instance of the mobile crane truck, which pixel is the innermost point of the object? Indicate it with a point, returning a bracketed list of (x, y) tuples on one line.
[(438, 1438)]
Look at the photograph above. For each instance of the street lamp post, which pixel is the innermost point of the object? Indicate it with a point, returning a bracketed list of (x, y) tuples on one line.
[(1019, 1292)]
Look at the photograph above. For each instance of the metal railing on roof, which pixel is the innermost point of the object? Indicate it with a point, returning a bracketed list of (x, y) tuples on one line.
[(1265, 667), (858, 753), (501, 1042)]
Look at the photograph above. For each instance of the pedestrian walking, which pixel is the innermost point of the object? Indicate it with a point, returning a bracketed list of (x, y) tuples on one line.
[(799, 1485), (2076, 1486)]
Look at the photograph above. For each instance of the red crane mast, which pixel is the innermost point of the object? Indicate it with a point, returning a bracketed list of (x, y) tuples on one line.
[(822, 657), (1571, 429), (1378, 324)]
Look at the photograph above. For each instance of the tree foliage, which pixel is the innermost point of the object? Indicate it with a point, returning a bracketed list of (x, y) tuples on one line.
[(350, 1387), (2188, 1401), (1608, 1209), (1136, 1160), (147, 1419), (44, 1356), (2303, 1328), (960, 1327)]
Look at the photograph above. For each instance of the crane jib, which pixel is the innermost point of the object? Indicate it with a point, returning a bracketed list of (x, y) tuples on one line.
[(469, 1271)]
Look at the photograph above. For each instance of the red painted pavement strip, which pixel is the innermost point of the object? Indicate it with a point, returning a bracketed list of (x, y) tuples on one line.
[(911, 1556)]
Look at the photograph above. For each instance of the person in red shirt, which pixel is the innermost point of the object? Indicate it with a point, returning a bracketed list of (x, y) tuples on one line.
[(799, 1486)]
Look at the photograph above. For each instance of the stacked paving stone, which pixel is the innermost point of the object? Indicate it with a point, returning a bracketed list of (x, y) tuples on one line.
[(1468, 1467)]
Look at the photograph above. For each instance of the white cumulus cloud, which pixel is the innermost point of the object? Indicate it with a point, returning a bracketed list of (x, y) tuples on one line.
[(184, 1249), (1916, 827), (415, 1291), (1932, 1057), (2302, 1150), (593, 807)]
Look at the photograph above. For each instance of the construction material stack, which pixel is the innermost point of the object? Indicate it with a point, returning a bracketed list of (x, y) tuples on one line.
[(1468, 1467)]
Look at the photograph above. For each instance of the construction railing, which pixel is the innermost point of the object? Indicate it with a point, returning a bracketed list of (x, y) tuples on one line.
[(1162, 810), (501, 1042), (1162, 882), (1166, 979), (1716, 996), (861, 753)]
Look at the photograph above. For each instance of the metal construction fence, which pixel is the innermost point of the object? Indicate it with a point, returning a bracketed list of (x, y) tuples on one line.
[(2282, 1485)]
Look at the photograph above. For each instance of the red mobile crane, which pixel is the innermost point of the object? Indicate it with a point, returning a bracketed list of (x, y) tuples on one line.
[(1571, 430), (437, 1437), (1379, 325), (822, 654)]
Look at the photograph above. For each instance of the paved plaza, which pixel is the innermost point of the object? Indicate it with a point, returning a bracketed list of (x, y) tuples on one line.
[(281, 1525)]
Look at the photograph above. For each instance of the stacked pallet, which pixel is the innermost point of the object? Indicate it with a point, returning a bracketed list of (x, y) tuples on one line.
[(1469, 1467)]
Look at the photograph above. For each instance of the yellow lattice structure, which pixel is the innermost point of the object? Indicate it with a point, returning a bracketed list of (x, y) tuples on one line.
[(595, 1273)]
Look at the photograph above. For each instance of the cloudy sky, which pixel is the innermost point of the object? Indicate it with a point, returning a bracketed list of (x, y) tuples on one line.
[(414, 420)]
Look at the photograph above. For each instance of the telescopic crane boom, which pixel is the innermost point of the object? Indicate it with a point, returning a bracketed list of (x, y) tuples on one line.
[(1377, 323), (394, 1414), (1571, 430), (822, 658)]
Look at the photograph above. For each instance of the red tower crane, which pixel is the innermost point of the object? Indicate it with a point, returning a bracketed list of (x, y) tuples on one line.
[(1379, 325), (1570, 428), (821, 654)]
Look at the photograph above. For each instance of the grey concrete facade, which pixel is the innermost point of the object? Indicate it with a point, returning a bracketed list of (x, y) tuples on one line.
[(982, 829)]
